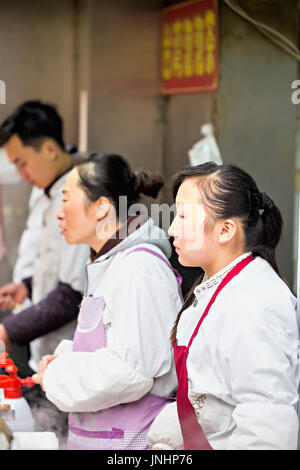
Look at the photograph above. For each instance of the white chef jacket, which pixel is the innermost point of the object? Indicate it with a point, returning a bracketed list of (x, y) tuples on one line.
[(28, 246), (30, 238), (56, 261), (242, 366), (142, 300)]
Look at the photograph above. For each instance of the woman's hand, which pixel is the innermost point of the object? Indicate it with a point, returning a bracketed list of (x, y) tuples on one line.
[(43, 364)]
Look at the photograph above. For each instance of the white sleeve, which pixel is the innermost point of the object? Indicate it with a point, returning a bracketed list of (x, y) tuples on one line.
[(142, 311), (264, 426), (92, 381), (165, 432), (30, 238), (72, 267), (65, 346), (264, 385)]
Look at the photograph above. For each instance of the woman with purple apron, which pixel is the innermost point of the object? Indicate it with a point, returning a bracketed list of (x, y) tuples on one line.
[(118, 373), (236, 337)]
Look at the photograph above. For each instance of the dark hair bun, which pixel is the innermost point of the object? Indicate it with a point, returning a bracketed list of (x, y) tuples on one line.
[(266, 202), (146, 183)]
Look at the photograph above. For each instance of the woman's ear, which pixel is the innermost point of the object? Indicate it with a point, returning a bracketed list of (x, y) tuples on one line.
[(102, 208), (227, 231)]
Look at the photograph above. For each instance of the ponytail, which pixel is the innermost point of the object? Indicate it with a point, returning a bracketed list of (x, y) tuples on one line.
[(147, 183), (272, 224)]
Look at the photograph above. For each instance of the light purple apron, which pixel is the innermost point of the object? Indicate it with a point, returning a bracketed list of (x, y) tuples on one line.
[(123, 426)]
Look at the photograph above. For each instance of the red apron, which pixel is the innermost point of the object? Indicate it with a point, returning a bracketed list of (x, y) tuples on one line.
[(193, 435)]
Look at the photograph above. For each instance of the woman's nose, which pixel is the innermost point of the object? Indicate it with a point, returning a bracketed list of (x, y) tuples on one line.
[(171, 229), (60, 214)]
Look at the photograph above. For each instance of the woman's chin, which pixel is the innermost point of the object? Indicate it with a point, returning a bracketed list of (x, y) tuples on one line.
[(74, 240), (69, 239), (184, 261)]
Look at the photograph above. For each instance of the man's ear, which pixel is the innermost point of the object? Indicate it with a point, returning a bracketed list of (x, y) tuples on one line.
[(49, 148), (227, 231)]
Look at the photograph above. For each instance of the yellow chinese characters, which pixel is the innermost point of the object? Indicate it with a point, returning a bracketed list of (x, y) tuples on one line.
[(189, 46), (177, 49), (166, 52), (210, 42), (188, 61), (199, 45)]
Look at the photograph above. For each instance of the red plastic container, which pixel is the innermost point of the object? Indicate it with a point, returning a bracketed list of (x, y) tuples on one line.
[(11, 383)]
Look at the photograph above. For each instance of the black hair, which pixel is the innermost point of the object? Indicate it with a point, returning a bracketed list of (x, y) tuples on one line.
[(229, 191), (33, 121), (110, 175)]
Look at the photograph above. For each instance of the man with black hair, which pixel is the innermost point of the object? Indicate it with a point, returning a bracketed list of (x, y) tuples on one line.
[(33, 139)]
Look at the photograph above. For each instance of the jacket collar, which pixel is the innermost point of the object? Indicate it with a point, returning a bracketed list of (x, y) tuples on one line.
[(126, 229), (47, 190), (212, 282)]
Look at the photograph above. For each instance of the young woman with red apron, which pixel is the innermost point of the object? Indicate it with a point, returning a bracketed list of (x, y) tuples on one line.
[(193, 435), (234, 338)]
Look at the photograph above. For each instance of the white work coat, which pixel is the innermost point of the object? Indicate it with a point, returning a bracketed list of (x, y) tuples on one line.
[(29, 243), (56, 261), (242, 366), (142, 299), (30, 238)]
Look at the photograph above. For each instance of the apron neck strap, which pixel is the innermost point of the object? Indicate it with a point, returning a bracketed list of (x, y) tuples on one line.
[(234, 272)]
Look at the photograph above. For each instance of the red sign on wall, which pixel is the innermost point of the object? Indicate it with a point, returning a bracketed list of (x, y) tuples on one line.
[(190, 47)]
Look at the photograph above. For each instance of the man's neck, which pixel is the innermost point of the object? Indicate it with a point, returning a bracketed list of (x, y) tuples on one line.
[(65, 165)]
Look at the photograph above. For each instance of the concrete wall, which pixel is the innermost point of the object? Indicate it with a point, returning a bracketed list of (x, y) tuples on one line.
[(125, 114), (185, 114), (37, 55), (257, 121), (36, 62)]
